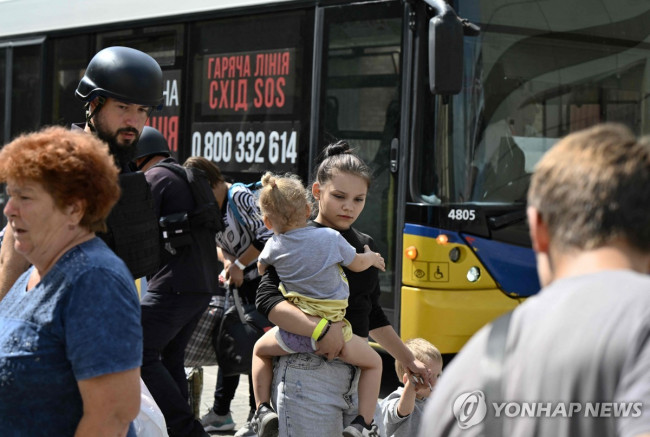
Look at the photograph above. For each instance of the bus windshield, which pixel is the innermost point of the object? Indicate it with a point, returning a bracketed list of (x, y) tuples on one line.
[(530, 78)]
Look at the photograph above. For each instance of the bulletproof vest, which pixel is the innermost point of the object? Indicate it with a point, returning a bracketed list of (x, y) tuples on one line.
[(133, 226)]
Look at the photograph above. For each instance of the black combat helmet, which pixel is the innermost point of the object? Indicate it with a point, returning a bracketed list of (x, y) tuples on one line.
[(151, 143), (125, 74)]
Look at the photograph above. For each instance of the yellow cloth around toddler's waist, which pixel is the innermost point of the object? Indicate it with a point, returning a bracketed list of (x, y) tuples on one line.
[(331, 309)]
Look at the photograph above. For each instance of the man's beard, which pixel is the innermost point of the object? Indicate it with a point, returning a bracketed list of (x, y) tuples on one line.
[(122, 153)]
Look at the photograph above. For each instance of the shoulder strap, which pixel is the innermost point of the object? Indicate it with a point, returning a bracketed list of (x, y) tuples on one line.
[(206, 212), (232, 204), (239, 305), (492, 368), (252, 187), (179, 170)]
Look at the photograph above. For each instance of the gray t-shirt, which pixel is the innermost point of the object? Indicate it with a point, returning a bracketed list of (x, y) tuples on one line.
[(396, 426), (577, 355), (307, 261)]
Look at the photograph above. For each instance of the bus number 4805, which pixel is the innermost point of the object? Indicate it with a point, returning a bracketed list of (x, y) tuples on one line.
[(462, 214)]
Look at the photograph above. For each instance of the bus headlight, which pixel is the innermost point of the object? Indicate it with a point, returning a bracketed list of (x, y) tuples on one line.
[(473, 274)]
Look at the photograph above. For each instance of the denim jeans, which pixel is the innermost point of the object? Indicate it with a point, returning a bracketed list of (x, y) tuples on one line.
[(314, 397)]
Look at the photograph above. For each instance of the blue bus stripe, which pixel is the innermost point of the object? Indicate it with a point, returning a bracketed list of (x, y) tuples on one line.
[(512, 267)]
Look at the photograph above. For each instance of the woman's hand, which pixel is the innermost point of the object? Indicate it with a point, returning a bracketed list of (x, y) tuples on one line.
[(389, 340), (331, 345), (234, 274), (420, 374)]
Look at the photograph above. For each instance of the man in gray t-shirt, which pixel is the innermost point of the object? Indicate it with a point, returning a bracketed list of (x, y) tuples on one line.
[(577, 356)]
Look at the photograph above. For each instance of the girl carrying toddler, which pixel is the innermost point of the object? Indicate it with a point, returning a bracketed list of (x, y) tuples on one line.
[(308, 261)]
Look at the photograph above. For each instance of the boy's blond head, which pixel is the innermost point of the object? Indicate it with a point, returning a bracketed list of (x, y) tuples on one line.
[(422, 351)]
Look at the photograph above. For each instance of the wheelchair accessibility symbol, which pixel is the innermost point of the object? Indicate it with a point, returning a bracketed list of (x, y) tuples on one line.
[(438, 272)]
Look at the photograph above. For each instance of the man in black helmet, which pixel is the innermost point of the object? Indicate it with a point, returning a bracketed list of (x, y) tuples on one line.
[(179, 292), (121, 87)]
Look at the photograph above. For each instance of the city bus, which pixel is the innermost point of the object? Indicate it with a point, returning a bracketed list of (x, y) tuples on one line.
[(450, 103)]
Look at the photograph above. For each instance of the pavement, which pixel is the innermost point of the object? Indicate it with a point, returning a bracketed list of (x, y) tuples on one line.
[(239, 405)]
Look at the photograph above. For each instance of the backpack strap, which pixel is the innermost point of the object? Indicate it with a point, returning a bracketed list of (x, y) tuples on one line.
[(206, 213), (231, 202), (492, 368), (180, 171), (233, 206)]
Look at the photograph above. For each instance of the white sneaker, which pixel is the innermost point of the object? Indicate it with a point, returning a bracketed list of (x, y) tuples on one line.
[(211, 421)]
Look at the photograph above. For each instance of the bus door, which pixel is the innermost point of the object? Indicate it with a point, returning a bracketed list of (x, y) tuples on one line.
[(360, 96)]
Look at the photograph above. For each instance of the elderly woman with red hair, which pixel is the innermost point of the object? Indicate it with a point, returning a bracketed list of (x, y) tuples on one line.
[(70, 336)]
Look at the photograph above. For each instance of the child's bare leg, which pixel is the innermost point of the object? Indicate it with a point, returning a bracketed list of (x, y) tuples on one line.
[(358, 352), (265, 349)]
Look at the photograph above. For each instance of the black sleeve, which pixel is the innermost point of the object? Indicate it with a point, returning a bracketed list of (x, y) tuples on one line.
[(364, 312), (268, 294), (377, 317)]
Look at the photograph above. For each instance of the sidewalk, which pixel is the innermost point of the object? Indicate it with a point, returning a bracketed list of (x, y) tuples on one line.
[(239, 405)]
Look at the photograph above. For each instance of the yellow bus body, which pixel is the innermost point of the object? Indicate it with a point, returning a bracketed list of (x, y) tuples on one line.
[(438, 301)]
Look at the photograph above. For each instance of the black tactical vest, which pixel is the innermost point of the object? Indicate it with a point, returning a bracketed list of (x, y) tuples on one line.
[(133, 226)]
